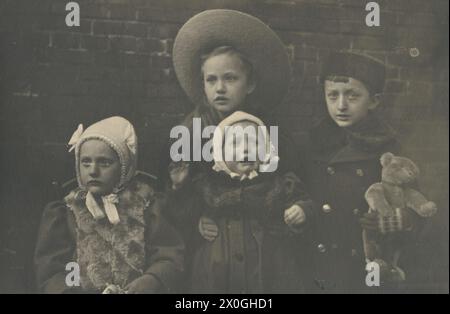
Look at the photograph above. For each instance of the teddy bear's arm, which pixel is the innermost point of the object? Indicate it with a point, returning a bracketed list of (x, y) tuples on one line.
[(376, 199), (417, 201)]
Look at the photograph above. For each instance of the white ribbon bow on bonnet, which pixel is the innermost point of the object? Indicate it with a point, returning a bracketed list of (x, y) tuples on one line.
[(271, 158), (118, 133)]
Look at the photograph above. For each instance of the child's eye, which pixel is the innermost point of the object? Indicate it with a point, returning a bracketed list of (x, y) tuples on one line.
[(353, 96), (105, 163), (231, 78), (86, 162), (332, 96), (210, 79)]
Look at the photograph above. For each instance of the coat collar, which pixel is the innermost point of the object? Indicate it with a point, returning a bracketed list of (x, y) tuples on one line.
[(230, 197), (112, 254), (363, 141), (135, 194)]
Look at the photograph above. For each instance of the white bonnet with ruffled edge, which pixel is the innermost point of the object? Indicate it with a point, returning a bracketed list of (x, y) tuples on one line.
[(218, 141), (118, 133)]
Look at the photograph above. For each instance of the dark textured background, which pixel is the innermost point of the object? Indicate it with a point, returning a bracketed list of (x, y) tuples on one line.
[(119, 62)]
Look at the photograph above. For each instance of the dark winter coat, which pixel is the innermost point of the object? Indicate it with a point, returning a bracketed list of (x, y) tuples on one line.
[(141, 243), (340, 164), (255, 252)]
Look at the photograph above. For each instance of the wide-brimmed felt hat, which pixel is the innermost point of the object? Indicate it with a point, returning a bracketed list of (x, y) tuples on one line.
[(245, 33)]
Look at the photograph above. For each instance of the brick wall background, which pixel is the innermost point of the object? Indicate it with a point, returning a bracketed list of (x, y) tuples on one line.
[(119, 62)]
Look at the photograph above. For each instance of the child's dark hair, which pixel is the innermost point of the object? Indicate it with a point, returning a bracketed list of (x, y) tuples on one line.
[(248, 67), (346, 79)]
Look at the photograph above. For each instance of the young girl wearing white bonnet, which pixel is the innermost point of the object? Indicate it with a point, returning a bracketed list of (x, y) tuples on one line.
[(110, 225), (261, 217)]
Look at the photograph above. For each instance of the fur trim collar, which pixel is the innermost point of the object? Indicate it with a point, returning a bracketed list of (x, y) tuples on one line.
[(370, 136), (227, 197), (111, 254)]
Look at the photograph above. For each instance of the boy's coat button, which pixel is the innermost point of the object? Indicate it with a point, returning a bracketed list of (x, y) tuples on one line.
[(359, 172), (321, 248), (326, 208), (356, 211), (330, 171)]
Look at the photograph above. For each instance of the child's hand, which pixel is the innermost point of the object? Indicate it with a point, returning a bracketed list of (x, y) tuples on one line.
[(208, 228), (294, 215), (372, 221), (113, 289), (144, 284), (178, 175)]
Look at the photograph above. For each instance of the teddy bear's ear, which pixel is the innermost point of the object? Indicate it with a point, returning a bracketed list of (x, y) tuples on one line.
[(386, 159)]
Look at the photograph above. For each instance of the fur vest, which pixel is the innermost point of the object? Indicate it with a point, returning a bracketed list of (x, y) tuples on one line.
[(107, 253)]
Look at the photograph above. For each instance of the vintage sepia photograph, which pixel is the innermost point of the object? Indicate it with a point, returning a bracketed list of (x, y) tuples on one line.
[(228, 147)]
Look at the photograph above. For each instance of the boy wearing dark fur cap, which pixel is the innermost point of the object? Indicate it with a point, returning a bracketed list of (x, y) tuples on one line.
[(343, 161)]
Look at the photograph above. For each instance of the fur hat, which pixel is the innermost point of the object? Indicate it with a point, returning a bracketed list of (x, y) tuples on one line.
[(248, 35), (364, 68), (118, 133)]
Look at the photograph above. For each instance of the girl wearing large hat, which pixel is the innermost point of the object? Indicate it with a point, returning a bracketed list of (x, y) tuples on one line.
[(225, 61), (246, 66)]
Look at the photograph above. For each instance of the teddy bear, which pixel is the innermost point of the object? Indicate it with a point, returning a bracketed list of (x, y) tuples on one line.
[(388, 197)]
